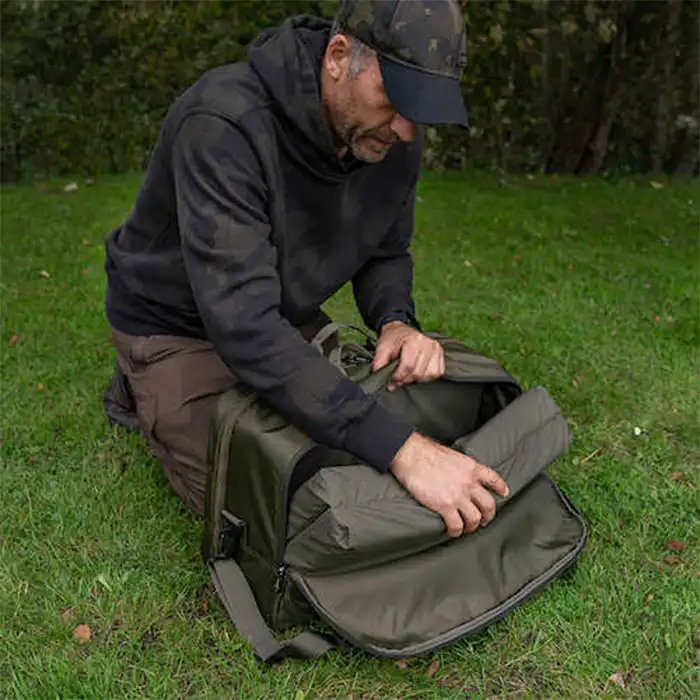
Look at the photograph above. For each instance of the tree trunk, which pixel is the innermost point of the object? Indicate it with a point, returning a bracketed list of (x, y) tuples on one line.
[(665, 55), (690, 157), (547, 102), (597, 148), (574, 102)]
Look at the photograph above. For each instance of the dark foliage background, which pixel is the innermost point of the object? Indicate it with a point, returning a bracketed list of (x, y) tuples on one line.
[(551, 85)]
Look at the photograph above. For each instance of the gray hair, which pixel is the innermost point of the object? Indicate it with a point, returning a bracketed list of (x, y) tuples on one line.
[(359, 52)]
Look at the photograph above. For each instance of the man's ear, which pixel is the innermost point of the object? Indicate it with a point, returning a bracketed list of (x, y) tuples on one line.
[(337, 56)]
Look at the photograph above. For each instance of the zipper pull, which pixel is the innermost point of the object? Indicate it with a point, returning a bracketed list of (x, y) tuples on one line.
[(279, 580)]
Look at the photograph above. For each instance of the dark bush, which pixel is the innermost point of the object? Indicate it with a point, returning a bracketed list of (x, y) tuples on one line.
[(551, 85)]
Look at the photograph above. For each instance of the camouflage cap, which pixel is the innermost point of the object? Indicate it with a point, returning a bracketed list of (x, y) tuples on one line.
[(421, 47)]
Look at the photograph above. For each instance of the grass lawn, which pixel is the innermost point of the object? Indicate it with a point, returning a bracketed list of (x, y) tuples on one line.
[(588, 287)]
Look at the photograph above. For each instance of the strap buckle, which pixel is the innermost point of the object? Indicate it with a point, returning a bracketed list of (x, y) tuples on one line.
[(232, 535)]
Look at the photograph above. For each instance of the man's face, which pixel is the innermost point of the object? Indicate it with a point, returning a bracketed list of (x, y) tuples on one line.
[(361, 113)]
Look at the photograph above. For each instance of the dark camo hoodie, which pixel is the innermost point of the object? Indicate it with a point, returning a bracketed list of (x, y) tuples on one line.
[(247, 221)]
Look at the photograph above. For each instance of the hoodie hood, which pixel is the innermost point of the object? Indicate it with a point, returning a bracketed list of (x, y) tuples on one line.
[(287, 60)]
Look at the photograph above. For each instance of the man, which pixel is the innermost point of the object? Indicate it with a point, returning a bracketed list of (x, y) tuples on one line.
[(272, 184)]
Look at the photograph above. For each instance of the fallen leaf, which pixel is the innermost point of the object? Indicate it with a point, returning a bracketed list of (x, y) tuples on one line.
[(40, 387), (554, 293), (71, 187), (656, 319), (570, 267), (118, 512), (31, 460), (468, 263), (618, 678), (402, 664), (14, 340), (493, 317), (434, 666), (44, 273), (647, 285), (68, 615), (86, 241), (82, 634), (669, 318), (650, 597), (671, 559), (677, 476), (656, 185), (574, 383), (84, 271), (675, 546)]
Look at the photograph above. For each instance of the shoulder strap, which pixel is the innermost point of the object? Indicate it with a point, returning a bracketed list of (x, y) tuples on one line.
[(238, 599)]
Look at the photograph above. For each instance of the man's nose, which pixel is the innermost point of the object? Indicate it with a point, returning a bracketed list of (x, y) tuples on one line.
[(404, 129)]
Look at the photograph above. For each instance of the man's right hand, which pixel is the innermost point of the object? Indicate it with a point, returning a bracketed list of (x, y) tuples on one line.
[(449, 483)]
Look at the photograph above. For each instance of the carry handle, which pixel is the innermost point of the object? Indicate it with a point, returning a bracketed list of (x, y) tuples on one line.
[(329, 329)]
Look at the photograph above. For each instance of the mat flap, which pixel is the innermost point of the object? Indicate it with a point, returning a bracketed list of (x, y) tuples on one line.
[(421, 602)]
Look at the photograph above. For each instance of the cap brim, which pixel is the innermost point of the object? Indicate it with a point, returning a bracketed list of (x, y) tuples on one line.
[(423, 98)]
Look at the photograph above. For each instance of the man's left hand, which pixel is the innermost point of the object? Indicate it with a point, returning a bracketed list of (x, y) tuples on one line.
[(422, 358)]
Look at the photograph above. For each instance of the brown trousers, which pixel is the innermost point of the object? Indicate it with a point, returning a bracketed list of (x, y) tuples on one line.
[(176, 383)]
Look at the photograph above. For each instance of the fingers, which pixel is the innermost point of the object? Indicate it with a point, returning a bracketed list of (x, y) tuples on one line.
[(490, 478), (422, 360), (436, 366), (453, 522), (421, 371), (484, 501), (407, 365), (471, 516), (384, 354)]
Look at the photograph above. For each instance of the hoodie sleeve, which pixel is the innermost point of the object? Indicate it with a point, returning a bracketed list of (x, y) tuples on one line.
[(383, 287), (231, 265)]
